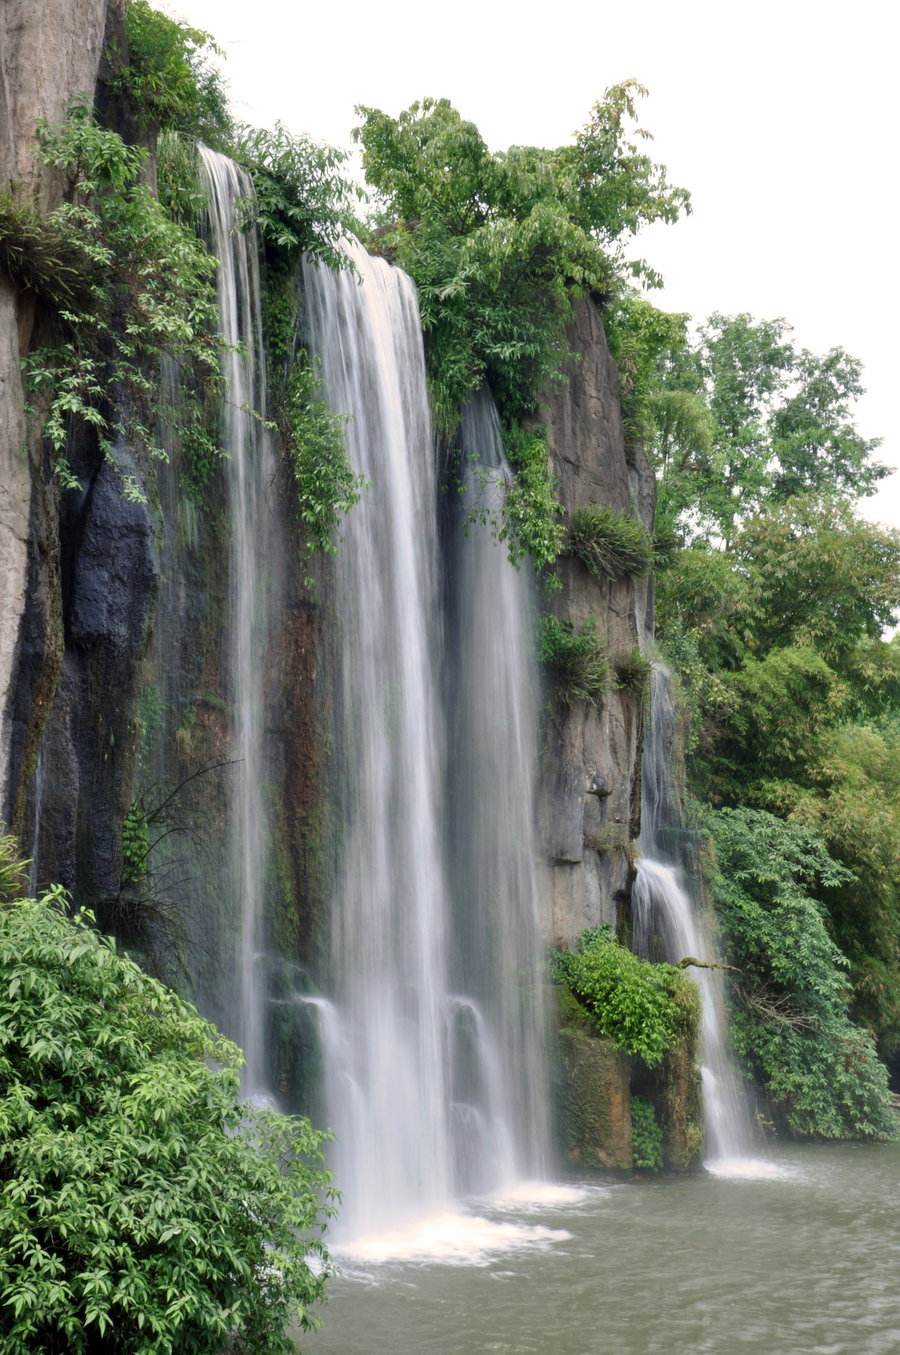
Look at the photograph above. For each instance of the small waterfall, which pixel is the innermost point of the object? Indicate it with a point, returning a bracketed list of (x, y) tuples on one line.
[(666, 927), (434, 1079), (251, 467)]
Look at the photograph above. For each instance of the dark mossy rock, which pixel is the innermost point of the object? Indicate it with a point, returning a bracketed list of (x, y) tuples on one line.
[(593, 1102)]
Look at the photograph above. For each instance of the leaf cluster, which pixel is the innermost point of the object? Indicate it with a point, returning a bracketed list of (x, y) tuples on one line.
[(641, 1007), (145, 1207), (575, 661), (740, 419), (326, 484), (500, 244), (171, 77), (152, 295), (790, 1019), (302, 201), (610, 543), (646, 1136), (531, 511), (135, 844), (42, 255)]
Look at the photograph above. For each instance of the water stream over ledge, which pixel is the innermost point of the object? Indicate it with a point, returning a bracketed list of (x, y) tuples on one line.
[(802, 1263)]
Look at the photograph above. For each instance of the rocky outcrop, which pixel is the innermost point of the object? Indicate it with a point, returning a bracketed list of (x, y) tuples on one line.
[(589, 783), (49, 51), (79, 568)]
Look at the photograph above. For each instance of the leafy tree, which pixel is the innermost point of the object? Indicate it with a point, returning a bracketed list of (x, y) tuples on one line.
[(302, 202), (745, 419), (500, 244), (790, 1020), (171, 76), (853, 803), (145, 1208), (821, 575)]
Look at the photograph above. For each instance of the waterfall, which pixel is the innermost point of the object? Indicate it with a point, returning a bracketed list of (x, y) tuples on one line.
[(427, 1088), (491, 687), (666, 927), (250, 470)]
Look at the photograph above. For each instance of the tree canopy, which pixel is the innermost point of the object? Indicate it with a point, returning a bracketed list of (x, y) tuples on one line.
[(501, 243), (743, 419)]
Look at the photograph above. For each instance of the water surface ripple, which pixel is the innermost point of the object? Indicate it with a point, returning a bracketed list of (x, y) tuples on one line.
[(804, 1263)]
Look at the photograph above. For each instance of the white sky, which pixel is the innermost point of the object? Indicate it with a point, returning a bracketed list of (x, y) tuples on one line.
[(780, 117)]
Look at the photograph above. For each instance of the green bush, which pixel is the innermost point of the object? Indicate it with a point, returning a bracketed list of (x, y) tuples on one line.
[(790, 1020), (574, 661), (610, 543), (41, 254), (152, 295), (171, 77), (633, 672), (646, 1136), (143, 1207), (641, 1007)]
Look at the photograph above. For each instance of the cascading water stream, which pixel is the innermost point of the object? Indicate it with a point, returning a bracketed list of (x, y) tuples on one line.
[(666, 927), (491, 699), (250, 468), (386, 1073), (427, 1081)]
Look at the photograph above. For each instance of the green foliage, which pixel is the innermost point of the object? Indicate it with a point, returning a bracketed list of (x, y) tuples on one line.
[(790, 1020), (821, 575), (135, 844), (632, 672), (575, 661), (530, 514), (327, 486), (640, 337), (178, 179), (646, 1136), (171, 77), (630, 1001), (145, 1207), (743, 419), (152, 295), (500, 244), (610, 543), (42, 255), (13, 872), (302, 203), (853, 803)]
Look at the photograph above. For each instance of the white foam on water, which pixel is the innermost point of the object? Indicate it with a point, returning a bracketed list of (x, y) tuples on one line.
[(450, 1238), (535, 1195), (746, 1169)]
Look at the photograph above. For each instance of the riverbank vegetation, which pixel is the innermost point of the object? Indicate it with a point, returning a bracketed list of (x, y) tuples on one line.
[(775, 615), (145, 1207)]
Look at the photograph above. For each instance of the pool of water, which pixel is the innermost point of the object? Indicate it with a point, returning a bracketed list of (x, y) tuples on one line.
[(799, 1255)]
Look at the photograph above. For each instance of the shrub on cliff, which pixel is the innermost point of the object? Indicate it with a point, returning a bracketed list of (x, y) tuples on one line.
[(641, 1007), (143, 1206)]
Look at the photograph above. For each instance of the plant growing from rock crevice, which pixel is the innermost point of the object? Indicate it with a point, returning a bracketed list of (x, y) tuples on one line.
[(574, 661), (610, 543)]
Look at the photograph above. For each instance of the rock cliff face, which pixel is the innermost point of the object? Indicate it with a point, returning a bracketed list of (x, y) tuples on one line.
[(49, 50), (589, 784), (79, 570)]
